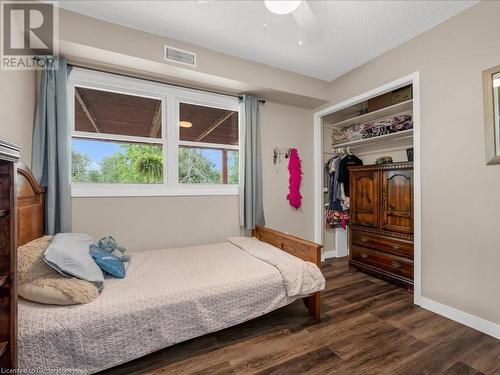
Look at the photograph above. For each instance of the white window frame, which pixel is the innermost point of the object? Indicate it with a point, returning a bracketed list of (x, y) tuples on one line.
[(171, 97)]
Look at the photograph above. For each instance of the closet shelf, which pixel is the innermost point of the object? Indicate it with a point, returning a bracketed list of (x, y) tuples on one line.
[(375, 115), (382, 139)]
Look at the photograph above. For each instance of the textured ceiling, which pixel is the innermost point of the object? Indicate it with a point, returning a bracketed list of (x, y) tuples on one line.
[(337, 36)]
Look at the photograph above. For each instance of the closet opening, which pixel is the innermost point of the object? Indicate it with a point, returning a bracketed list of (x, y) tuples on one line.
[(367, 185)]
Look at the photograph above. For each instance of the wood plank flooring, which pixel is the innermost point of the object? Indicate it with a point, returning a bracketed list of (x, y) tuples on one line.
[(368, 327)]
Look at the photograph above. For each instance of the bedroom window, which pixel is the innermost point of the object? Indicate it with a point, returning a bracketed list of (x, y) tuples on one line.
[(208, 140), (117, 138), (133, 137)]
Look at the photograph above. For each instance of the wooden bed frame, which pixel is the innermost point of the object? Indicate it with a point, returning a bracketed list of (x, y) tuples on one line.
[(305, 250), (30, 206), (30, 221)]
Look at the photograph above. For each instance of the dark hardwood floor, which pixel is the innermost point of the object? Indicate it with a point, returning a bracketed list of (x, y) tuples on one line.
[(368, 327)]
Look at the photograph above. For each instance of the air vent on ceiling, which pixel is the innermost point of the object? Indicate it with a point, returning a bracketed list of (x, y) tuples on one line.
[(180, 56)]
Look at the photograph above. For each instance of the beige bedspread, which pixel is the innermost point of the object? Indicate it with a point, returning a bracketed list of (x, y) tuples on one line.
[(168, 296)]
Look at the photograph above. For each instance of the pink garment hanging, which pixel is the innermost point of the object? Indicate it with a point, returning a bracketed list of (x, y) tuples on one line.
[(295, 170)]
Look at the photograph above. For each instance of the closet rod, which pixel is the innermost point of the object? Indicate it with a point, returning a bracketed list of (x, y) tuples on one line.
[(375, 143)]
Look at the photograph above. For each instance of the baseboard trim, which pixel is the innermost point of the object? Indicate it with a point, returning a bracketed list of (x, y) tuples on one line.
[(328, 254), (459, 316)]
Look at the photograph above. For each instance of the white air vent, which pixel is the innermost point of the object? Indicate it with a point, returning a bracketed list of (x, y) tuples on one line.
[(180, 56)]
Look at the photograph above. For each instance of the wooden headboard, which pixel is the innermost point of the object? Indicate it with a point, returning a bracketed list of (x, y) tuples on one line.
[(30, 206)]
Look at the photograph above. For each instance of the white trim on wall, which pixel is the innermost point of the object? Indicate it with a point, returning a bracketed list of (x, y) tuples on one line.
[(81, 190), (462, 317), (328, 254), (413, 79)]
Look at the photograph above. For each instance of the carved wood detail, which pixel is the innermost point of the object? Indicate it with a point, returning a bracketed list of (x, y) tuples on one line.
[(381, 235)]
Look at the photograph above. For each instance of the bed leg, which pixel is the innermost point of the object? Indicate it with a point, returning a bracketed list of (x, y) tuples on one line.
[(313, 305)]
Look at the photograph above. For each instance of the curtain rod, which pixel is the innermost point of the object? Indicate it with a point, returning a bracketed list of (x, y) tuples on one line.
[(153, 80), (262, 101)]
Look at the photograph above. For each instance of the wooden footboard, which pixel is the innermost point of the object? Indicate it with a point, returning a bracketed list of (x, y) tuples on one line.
[(305, 250)]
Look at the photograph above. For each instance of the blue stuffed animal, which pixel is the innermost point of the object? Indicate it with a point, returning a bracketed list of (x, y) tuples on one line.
[(109, 245)]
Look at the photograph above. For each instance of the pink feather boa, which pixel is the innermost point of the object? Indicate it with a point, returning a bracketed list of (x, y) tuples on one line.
[(295, 170)]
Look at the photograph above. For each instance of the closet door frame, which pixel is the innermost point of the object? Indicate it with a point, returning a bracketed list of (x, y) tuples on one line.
[(414, 80)]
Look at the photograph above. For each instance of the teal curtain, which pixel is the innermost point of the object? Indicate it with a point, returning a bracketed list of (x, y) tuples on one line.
[(253, 205), (51, 150)]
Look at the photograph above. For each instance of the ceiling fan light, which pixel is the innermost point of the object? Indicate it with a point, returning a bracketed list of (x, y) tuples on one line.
[(185, 124), (282, 7)]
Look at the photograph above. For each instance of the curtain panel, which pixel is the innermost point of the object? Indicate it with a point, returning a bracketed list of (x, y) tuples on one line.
[(251, 205), (51, 150)]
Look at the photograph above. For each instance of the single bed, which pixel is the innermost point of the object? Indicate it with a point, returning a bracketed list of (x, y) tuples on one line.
[(168, 296)]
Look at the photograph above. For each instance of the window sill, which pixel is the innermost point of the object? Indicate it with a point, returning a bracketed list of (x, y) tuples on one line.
[(160, 190)]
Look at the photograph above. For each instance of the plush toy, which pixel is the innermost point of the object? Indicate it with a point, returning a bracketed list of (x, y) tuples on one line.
[(109, 245)]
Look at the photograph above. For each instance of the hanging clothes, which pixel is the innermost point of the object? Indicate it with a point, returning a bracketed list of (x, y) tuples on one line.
[(343, 171), (337, 213)]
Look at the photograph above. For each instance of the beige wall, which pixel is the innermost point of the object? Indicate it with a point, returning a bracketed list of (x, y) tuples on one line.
[(117, 47), (460, 194), (143, 223), (460, 254), (156, 222), (284, 127), (17, 109)]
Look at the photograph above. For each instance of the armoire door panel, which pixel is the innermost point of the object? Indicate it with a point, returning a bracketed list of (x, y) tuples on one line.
[(396, 196), (364, 198)]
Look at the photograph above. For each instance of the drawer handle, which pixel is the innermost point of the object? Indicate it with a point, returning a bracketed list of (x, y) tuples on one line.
[(396, 247), (364, 239), (396, 264), (364, 255)]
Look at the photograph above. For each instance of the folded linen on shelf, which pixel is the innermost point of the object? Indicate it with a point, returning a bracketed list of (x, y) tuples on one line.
[(386, 125)]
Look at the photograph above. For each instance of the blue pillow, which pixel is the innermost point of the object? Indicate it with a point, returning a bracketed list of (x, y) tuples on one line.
[(109, 263)]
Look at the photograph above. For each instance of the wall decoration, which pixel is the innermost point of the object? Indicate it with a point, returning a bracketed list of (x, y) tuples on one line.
[(279, 155), (295, 170), (491, 101)]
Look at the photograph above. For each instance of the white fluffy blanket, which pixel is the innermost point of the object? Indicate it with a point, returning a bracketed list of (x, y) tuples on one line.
[(299, 277)]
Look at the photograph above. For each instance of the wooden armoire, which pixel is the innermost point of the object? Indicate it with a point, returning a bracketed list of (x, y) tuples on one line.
[(9, 154), (381, 231)]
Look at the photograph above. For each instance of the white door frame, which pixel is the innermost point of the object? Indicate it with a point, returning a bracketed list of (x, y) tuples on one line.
[(413, 79)]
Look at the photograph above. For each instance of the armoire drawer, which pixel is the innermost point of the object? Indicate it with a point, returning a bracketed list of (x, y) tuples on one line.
[(383, 243), (384, 261)]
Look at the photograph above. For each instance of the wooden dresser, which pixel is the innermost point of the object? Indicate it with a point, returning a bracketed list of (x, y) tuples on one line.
[(9, 155), (381, 232)]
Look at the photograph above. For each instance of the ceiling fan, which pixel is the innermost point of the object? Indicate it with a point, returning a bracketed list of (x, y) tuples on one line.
[(310, 28)]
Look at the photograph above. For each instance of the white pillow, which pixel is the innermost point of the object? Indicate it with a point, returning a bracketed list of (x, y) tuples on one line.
[(58, 290), (68, 253)]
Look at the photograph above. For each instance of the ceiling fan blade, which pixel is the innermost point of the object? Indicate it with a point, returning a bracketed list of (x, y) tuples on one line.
[(305, 17)]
